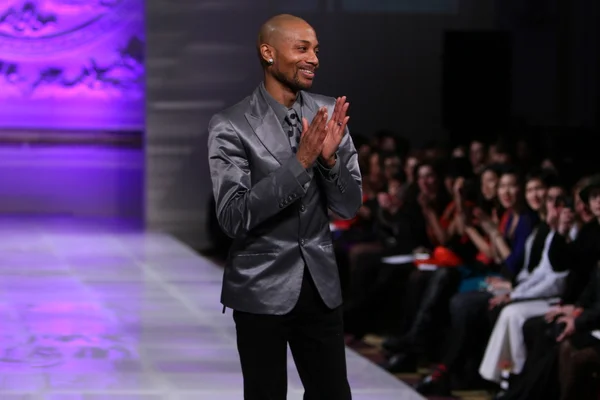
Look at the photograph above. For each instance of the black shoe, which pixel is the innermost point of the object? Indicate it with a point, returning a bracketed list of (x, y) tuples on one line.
[(395, 344), (401, 363), (436, 384), (500, 395)]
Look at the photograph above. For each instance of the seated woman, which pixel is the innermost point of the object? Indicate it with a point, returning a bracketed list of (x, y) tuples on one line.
[(470, 325), (503, 242), (370, 281), (488, 190), (539, 284), (575, 320), (426, 200), (428, 291), (359, 239), (444, 280), (414, 224)]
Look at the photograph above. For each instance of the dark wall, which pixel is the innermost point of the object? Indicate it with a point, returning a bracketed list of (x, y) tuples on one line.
[(555, 60), (201, 59)]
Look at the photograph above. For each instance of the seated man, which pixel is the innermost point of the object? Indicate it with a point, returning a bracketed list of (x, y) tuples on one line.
[(576, 321)]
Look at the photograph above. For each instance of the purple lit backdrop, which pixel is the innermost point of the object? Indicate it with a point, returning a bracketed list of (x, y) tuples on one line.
[(72, 64)]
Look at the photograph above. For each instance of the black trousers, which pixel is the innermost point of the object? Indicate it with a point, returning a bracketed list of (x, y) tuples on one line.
[(539, 378), (471, 325), (426, 306), (316, 339)]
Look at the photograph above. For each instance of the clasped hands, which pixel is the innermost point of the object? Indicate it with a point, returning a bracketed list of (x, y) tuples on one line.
[(322, 138)]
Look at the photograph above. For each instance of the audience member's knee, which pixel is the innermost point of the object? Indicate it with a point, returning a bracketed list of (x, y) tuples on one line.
[(510, 311), (444, 274), (534, 324)]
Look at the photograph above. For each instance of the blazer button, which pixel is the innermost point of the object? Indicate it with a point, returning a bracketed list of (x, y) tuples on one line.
[(302, 242), (302, 208)]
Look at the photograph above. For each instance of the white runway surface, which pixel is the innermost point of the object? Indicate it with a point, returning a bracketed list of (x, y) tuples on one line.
[(104, 311)]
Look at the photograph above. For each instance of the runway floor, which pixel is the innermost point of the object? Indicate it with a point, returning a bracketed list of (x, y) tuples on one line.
[(104, 311)]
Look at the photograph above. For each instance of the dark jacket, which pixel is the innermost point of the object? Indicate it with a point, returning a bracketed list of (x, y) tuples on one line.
[(580, 257)]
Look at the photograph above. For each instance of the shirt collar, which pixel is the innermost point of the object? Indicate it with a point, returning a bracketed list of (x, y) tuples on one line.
[(280, 110)]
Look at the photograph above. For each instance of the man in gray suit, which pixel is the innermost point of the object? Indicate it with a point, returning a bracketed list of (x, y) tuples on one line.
[(274, 179)]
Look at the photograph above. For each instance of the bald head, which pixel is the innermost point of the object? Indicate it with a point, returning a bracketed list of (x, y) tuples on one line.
[(277, 30), (274, 29), (287, 47)]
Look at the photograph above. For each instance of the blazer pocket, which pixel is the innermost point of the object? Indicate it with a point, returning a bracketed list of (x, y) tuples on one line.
[(265, 254), (248, 261)]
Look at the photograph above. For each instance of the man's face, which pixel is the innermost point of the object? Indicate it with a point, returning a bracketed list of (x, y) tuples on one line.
[(594, 202), (535, 194), (295, 56)]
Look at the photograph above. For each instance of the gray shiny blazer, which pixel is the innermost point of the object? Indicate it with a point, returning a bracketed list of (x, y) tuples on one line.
[(274, 209)]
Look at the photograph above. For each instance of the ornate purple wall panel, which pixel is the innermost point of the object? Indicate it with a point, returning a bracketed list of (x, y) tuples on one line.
[(72, 64)]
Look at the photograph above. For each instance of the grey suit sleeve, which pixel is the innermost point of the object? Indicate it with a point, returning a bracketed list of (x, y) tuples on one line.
[(343, 182), (242, 206)]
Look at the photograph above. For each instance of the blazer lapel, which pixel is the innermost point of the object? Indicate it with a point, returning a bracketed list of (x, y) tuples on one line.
[(264, 122), (309, 107)]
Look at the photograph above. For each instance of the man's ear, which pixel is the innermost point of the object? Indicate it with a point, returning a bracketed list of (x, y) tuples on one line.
[(266, 52)]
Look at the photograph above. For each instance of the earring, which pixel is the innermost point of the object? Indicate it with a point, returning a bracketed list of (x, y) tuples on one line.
[(270, 61)]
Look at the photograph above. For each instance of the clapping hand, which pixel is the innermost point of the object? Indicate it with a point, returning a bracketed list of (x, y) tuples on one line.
[(312, 138), (486, 222), (336, 128)]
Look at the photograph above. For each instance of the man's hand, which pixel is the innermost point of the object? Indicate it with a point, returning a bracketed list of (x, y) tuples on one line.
[(569, 327), (566, 219), (554, 312), (336, 127), (312, 138)]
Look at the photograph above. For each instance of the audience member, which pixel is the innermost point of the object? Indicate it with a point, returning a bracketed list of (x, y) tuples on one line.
[(565, 338), (539, 283), (500, 251), (500, 153), (488, 198), (478, 156)]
